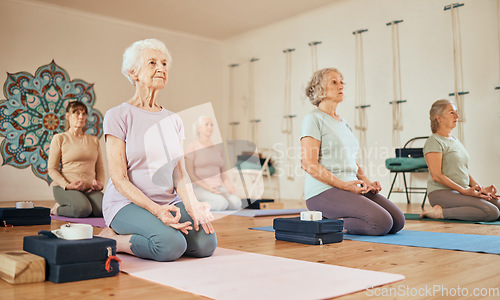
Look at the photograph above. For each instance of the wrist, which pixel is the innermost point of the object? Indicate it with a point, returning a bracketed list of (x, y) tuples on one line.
[(155, 209), (343, 185)]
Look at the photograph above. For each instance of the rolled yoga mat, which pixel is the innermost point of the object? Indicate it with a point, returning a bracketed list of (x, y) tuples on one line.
[(231, 274)]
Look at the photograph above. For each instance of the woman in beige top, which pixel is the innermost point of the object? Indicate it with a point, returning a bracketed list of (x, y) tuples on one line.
[(75, 164)]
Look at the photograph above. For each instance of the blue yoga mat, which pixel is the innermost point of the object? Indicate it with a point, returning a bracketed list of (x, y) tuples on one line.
[(417, 218), (264, 228), (427, 239)]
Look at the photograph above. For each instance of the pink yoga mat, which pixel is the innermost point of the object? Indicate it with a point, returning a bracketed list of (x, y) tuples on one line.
[(231, 274), (96, 222)]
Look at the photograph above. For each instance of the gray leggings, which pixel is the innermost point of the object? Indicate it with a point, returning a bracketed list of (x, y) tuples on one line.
[(221, 201), (467, 208), (369, 214), (152, 239), (75, 204)]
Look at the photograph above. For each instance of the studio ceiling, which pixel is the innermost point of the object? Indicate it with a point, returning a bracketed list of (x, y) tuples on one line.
[(213, 19)]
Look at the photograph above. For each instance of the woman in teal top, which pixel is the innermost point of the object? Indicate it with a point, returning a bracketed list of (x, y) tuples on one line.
[(335, 184), (453, 193)]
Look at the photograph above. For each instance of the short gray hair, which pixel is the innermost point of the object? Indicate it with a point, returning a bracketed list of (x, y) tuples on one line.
[(132, 55), (198, 123), (315, 89), (437, 109)]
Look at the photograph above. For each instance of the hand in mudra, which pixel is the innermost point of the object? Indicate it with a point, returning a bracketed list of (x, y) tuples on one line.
[(75, 185), (166, 216)]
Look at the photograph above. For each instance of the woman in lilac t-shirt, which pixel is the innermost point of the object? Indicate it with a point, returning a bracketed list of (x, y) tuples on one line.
[(149, 204)]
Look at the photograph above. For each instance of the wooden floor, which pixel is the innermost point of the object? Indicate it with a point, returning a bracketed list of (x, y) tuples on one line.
[(423, 268)]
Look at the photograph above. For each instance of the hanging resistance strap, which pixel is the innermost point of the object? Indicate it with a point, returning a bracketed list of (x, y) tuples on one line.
[(360, 119), (314, 55), (287, 122), (397, 114), (254, 122), (458, 68), (232, 112), (498, 25)]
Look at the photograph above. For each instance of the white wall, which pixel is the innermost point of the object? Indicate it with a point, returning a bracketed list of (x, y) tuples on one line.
[(427, 75), (90, 48)]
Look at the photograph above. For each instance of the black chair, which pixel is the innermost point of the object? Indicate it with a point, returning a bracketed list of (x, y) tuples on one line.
[(408, 160)]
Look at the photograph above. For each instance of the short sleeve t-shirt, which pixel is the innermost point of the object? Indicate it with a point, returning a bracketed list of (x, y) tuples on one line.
[(338, 151), (153, 149), (208, 162), (454, 164)]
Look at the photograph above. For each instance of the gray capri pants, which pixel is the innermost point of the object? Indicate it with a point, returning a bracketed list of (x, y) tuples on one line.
[(368, 214), (467, 208), (76, 204), (153, 239)]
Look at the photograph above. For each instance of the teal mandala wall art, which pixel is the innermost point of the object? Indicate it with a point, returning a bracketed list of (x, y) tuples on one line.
[(34, 111)]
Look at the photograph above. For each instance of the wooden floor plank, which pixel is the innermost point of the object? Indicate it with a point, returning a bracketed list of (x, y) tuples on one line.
[(422, 267)]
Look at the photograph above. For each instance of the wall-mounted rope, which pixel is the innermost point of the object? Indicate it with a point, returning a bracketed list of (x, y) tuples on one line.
[(232, 112), (397, 114), (254, 122), (360, 118), (314, 55), (458, 67), (287, 122)]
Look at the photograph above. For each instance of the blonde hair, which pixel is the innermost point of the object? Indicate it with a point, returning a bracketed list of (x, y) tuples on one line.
[(315, 89), (437, 109)]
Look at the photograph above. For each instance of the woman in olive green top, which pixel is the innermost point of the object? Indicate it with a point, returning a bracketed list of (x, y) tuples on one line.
[(453, 193)]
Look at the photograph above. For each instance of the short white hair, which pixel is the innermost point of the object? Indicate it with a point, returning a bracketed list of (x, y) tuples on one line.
[(198, 123), (132, 55)]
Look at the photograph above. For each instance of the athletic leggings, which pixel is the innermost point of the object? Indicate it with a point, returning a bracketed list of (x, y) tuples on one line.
[(152, 239), (467, 208), (368, 214), (75, 204), (221, 201)]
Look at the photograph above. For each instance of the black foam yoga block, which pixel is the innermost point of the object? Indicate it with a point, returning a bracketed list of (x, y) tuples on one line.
[(297, 225), (60, 251), (24, 221), (24, 216), (81, 271), (12, 212), (311, 239), (73, 260)]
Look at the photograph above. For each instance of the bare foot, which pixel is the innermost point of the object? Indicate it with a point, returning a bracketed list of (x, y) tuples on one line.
[(53, 210), (109, 233), (435, 213), (122, 241)]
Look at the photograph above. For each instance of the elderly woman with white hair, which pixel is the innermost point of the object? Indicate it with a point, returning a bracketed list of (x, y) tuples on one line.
[(453, 193), (205, 166), (335, 184), (147, 218)]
